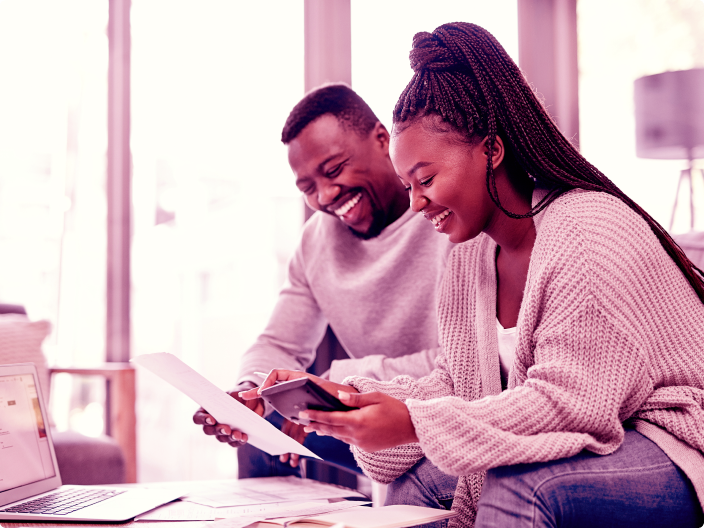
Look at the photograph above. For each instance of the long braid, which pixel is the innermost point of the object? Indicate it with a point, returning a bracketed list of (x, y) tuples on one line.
[(465, 76)]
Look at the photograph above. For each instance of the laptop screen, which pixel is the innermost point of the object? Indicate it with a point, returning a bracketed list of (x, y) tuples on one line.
[(25, 453)]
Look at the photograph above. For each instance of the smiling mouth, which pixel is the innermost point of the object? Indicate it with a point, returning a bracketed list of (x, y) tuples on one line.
[(349, 204), (438, 219)]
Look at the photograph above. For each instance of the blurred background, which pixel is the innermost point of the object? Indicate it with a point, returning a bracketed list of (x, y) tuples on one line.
[(214, 211)]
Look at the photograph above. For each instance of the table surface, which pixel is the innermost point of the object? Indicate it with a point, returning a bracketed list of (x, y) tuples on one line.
[(134, 524)]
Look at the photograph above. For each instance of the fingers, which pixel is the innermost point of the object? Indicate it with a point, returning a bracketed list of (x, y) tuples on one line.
[(283, 375), (227, 435), (201, 417), (355, 399), (224, 433), (297, 432), (251, 394), (341, 432)]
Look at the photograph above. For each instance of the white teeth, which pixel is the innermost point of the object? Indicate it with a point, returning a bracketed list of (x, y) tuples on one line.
[(342, 210), (438, 218)]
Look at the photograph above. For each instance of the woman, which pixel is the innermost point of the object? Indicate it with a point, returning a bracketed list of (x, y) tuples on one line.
[(606, 355)]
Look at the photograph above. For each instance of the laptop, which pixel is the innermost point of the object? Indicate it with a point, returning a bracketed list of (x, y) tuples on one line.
[(30, 484)]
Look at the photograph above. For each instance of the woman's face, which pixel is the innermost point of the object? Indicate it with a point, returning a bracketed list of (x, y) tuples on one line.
[(446, 179)]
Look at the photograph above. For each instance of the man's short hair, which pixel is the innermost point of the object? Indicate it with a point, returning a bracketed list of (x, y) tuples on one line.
[(337, 99)]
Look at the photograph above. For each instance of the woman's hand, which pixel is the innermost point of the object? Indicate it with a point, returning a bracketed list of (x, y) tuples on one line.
[(380, 422)]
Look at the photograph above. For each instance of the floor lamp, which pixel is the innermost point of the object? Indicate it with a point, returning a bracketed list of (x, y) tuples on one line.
[(670, 122)]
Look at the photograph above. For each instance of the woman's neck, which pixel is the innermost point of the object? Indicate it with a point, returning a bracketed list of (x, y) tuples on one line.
[(515, 238)]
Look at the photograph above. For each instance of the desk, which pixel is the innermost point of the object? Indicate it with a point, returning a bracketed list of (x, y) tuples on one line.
[(237, 494)]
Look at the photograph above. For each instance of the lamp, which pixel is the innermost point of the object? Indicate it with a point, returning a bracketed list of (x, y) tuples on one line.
[(670, 122)]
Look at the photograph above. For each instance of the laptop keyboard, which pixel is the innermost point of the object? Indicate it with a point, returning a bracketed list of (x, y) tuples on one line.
[(64, 501)]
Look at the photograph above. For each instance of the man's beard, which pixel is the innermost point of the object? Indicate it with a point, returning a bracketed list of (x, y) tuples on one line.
[(377, 226)]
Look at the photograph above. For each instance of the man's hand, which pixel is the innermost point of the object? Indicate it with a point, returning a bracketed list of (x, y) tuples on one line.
[(380, 422), (296, 432), (226, 433), (288, 375)]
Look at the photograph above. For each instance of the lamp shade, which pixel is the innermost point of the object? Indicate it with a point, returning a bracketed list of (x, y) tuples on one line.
[(670, 115)]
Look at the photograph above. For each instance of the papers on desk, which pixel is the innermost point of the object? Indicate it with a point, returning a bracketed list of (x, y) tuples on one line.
[(291, 511), (186, 511), (223, 407), (179, 511), (397, 516), (266, 490)]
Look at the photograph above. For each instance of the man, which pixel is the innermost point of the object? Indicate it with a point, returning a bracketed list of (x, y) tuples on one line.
[(366, 266)]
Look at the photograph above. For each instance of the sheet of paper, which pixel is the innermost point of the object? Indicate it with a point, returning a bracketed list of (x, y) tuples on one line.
[(303, 509), (396, 516), (266, 490), (179, 511), (256, 509), (224, 408)]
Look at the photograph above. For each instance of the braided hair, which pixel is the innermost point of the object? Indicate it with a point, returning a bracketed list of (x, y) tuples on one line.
[(464, 76)]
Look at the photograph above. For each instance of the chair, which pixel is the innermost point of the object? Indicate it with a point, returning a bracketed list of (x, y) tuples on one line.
[(82, 459)]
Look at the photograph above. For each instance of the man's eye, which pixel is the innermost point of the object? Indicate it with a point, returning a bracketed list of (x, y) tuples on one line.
[(426, 182), (335, 171), (407, 189)]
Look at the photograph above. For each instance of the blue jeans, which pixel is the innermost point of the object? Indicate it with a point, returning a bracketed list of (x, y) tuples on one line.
[(636, 485), (423, 485), (255, 463)]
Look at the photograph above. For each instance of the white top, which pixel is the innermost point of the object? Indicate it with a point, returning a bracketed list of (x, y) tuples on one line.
[(507, 350), (378, 295)]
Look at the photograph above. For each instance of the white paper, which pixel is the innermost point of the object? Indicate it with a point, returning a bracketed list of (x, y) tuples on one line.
[(179, 511), (220, 405), (300, 510), (396, 516), (266, 490)]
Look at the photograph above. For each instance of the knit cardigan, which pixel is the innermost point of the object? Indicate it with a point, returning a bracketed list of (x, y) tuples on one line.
[(609, 330)]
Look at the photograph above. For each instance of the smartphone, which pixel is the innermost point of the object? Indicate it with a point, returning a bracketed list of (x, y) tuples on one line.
[(291, 397)]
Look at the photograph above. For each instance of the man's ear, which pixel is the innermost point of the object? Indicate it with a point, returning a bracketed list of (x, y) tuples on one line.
[(381, 137), (498, 151)]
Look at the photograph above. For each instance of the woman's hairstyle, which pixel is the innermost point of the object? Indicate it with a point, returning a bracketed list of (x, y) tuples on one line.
[(464, 75), (337, 99)]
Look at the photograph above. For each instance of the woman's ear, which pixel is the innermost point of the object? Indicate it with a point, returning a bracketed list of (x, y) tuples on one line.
[(497, 154)]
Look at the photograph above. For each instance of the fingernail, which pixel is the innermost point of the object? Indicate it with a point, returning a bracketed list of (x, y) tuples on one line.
[(309, 429), (209, 421), (235, 438), (222, 431), (303, 415), (343, 395)]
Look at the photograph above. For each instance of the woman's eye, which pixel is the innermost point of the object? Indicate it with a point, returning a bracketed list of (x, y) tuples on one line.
[(407, 189), (426, 182)]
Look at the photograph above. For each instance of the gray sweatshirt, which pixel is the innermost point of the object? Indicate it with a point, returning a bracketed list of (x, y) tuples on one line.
[(377, 295)]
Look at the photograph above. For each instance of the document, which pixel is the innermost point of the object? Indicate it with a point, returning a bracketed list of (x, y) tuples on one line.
[(178, 511), (296, 511), (264, 490), (397, 516), (223, 407)]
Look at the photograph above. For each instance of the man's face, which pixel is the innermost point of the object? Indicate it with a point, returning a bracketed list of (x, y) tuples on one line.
[(348, 176)]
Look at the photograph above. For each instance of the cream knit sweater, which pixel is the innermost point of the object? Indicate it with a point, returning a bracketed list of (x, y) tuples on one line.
[(609, 330)]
